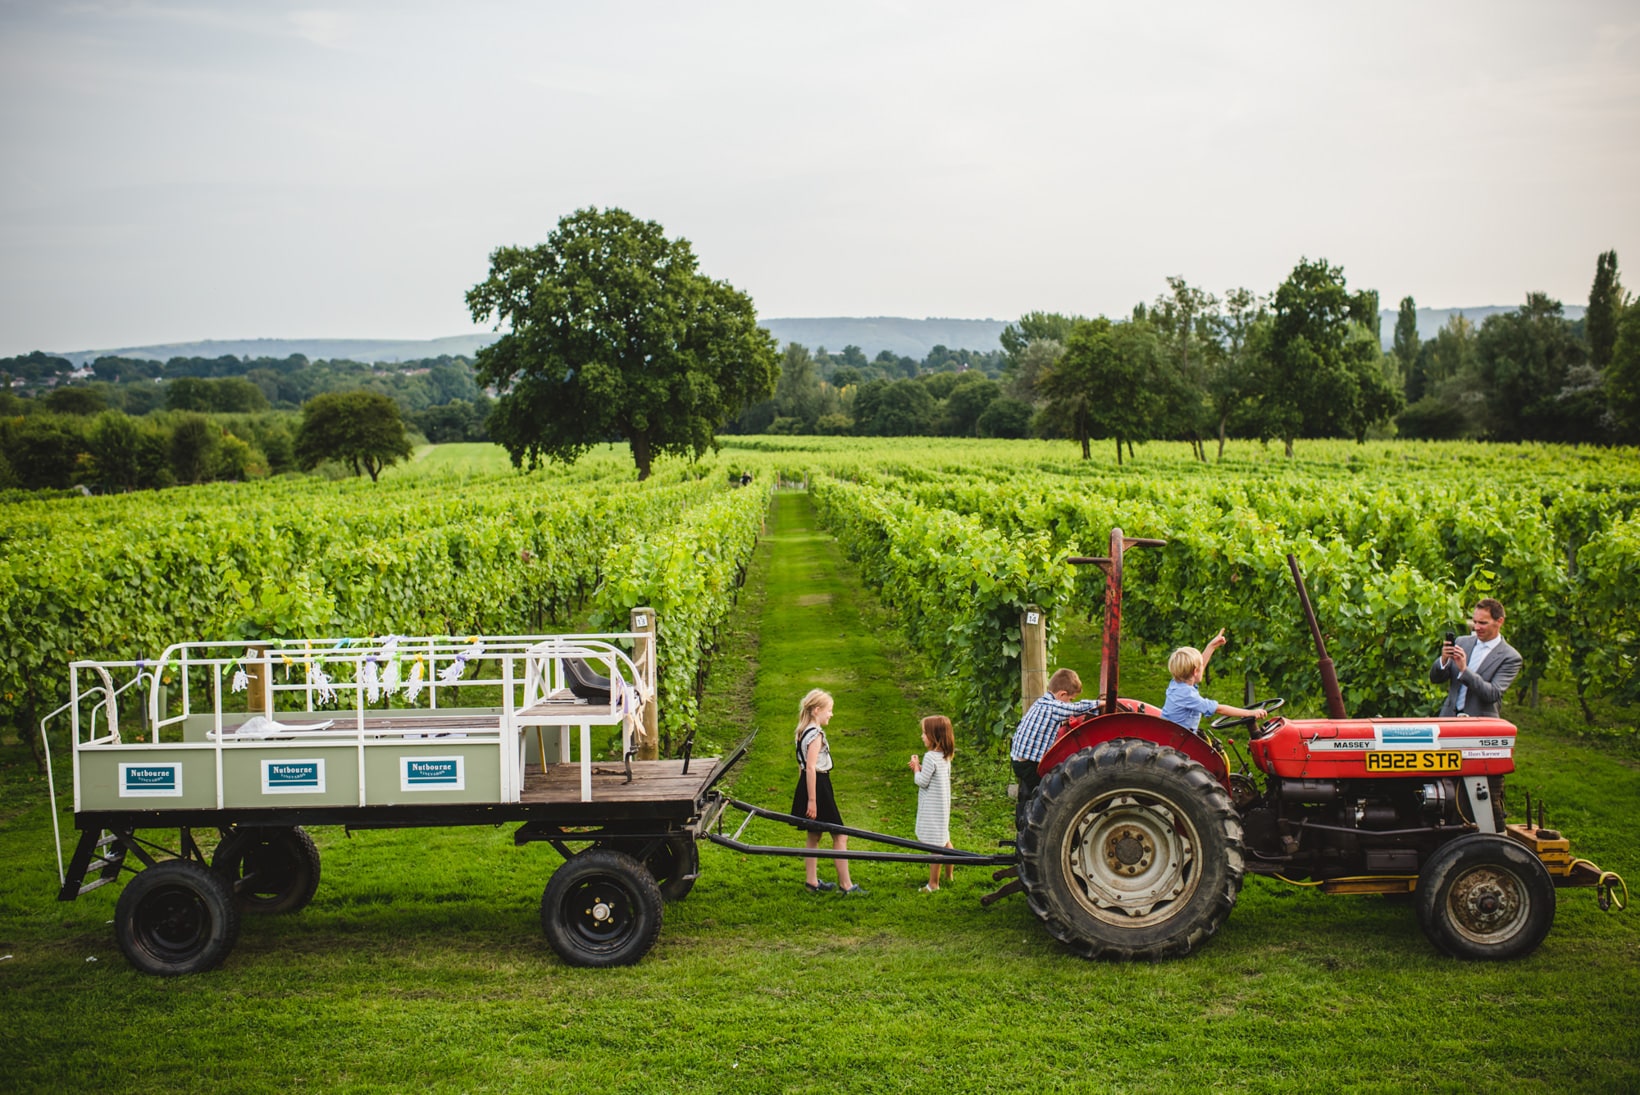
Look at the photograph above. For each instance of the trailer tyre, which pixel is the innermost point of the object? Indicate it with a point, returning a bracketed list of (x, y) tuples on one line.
[(1131, 850), (176, 917), (1485, 896), (601, 909), (674, 864), (270, 870)]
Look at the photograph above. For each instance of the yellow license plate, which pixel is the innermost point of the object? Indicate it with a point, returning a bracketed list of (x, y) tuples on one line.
[(1414, 760)]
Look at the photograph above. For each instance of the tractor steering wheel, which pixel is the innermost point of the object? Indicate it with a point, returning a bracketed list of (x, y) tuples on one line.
[(1225, 722)]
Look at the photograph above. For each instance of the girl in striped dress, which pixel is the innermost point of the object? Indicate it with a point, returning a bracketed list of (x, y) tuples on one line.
[(933, 778)]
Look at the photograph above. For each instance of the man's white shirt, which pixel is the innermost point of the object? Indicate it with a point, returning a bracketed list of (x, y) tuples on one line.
[(1476, 657)]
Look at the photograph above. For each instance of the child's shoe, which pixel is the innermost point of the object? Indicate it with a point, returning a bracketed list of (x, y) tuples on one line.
[(821, 887)]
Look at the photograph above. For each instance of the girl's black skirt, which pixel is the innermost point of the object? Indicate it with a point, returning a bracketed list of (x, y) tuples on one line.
[(825, 806)]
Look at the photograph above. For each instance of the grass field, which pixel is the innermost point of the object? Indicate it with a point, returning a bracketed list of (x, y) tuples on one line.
[(421, 963)]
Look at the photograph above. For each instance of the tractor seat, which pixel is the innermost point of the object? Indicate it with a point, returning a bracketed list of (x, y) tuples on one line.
[(584, 683)]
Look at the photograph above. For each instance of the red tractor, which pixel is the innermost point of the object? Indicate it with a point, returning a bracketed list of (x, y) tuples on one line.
[(1137, 840)]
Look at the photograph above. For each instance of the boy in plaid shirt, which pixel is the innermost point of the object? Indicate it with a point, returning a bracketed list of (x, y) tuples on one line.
[(1039, 729)]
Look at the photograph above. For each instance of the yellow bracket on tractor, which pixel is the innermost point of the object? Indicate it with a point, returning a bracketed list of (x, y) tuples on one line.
[(1555, 851)]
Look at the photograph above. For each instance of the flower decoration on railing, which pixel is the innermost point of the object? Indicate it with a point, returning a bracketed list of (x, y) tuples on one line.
[(389, 655), (370, 679), (412, 687), (451, 673), (317, 679), (323, 690)]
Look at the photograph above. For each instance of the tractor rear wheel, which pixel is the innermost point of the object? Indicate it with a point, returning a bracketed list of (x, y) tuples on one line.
[(1131, 850), (1485, 896)]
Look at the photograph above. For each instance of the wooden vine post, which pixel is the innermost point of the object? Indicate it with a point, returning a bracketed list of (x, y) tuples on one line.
[(1033, 655), (259, 674), (643, 657)]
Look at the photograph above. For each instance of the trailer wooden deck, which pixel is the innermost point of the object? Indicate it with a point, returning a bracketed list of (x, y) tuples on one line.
[(653, 781)]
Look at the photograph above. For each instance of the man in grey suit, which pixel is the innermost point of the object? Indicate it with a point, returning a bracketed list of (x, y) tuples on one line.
[(1478, 668)]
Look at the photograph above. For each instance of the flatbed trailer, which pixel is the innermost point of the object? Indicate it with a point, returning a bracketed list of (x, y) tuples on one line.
[(374, 734)]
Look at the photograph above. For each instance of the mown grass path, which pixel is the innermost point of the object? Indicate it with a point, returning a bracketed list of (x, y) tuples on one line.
[(818, 628)]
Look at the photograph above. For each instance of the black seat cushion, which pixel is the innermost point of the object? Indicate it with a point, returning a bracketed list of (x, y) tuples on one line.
[(586, 684)]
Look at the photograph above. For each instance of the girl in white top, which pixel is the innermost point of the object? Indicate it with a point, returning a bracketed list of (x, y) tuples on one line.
[(933, 778)]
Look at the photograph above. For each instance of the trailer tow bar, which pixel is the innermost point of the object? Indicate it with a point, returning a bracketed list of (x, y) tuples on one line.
[(922, 853)]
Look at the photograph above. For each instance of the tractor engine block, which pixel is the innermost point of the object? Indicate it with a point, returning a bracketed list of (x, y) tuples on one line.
[(1332, 828)]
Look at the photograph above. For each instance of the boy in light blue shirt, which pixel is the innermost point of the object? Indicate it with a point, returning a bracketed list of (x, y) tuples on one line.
[(1185, 704)]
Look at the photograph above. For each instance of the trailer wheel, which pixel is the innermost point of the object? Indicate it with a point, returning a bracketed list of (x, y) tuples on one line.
[(270, 870), (600, 909), (1485, 896), (176, 917), (674, 864), (1131, 850)]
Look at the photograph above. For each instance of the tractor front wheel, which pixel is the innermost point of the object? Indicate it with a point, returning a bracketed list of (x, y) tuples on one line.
[(1485, 896), (1131, 850)]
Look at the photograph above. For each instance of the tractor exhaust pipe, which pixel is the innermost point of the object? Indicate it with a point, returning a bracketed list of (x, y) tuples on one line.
[(1329, 676)]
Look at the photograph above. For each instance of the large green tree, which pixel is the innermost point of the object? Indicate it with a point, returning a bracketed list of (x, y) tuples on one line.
[(894, 408), (797, 392), (76, 399), (361, 429), (966, 402), (1605, 302), (1623, 375), (127, 454), (192, 448), (1184, 321), (1107, 384), (1405, 348), (1324, 375), (1240, 331), (1034, 326), (1525, 361), (614, 334), (1034, 358)]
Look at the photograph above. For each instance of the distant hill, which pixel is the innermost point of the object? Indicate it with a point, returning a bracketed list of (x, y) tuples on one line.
[(906, 337), (1431, 320), (873, 334), (911, 338), (366, 350)]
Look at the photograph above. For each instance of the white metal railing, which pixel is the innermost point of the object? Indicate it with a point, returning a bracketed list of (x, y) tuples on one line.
[(359, 686)]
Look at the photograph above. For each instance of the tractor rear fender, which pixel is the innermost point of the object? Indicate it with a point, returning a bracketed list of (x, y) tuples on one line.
[(1124, 724)]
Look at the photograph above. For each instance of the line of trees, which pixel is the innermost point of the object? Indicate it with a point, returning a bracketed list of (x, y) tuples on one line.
[(1304, 361), (234, 384), (438, 396), (113, 452), (1530, 374), (145, 424)]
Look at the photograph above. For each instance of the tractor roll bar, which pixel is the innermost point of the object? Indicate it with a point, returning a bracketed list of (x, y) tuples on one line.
[(1111, 564)]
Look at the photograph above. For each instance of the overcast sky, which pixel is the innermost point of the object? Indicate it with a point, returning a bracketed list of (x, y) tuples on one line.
[(175, 171)]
